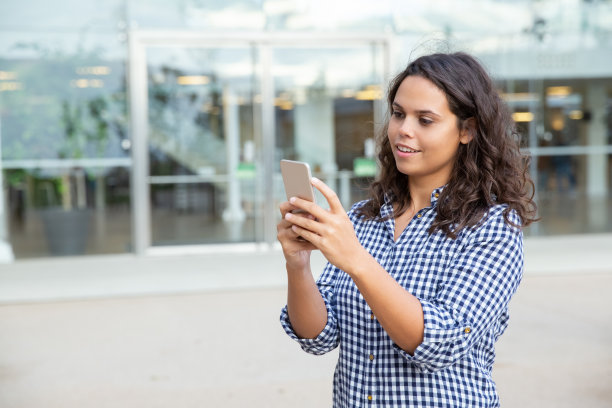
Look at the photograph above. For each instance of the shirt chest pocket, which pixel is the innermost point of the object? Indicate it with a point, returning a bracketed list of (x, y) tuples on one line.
[(422, 274)]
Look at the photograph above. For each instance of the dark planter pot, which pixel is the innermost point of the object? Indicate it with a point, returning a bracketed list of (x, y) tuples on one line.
[(66, 230)]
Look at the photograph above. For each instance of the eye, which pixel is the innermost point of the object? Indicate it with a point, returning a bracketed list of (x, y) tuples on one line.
[(425, 121), (398, 114)]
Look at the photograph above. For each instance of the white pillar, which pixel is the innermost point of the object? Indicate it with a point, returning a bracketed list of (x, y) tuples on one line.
[(6, 250), (597, 176), (81, 188), (231, 128), (597, 164), (345, 188), (314, 132), (100, 194)]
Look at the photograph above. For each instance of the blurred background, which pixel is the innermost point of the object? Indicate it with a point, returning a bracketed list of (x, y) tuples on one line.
[(140, 143), (139, 127)]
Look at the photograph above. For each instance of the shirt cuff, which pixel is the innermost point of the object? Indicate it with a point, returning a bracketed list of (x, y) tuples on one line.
[(325, 342), (445, 340)]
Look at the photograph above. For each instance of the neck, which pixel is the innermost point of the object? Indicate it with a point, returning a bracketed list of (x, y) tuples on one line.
[(420, 191)]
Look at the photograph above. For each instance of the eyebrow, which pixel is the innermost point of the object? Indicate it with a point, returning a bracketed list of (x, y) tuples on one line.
[(420, 112)]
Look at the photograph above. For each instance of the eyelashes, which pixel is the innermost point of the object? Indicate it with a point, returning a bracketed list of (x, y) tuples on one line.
[(423, 120)]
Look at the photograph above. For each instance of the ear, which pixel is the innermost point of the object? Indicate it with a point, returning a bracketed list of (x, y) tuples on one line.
[(468, 130)]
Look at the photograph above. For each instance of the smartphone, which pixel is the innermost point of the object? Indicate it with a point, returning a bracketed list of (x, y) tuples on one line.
[(296, 177)]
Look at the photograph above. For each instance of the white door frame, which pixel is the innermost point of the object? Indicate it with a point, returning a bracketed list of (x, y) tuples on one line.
[(140, 40)]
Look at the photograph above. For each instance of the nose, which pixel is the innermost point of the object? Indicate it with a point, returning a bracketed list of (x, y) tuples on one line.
[(406, 129)]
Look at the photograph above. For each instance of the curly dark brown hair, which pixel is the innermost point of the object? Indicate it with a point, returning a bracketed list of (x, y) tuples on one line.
[(488, 170)]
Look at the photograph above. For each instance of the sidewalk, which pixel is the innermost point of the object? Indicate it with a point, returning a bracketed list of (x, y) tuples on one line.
[(54, 279), (203, 331)]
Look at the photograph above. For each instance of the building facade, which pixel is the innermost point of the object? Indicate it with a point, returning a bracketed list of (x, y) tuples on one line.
[(157, 127)]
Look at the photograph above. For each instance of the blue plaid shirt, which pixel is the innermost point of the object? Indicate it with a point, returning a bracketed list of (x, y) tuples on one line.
[(464, 286)]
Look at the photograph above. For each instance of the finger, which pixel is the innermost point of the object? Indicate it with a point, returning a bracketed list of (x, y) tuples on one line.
[(289, 238), (287, 207), (309, 236), (291, 241), (304, 221), (283, 225), (308, 206), (332, 198)]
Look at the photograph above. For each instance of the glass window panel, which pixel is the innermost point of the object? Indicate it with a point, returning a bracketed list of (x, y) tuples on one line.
[(574, 195), (202, 146), (65, 143), (565, 122), (67, 212), (325, 101)]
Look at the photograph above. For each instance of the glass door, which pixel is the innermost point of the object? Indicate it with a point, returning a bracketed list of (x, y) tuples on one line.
[(200, 146), (211, 119)]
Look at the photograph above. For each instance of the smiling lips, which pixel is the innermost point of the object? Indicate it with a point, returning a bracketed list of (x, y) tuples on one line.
[(406, 149)]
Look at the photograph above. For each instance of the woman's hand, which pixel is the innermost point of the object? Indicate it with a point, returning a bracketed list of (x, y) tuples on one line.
[(295, 249), (330, 231)]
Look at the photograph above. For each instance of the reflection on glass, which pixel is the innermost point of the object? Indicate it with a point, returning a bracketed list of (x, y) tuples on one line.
[(65, 149), (202, 146), (573, 195), (566, 124), (67, 212), (326, 101)]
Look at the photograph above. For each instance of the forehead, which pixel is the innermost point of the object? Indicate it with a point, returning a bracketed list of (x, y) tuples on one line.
[(416, 92)]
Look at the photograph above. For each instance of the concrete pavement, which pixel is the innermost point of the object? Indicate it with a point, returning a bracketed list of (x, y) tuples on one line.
[(203, 331)]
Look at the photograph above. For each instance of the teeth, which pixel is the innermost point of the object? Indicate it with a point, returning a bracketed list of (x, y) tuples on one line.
[(406, 149)]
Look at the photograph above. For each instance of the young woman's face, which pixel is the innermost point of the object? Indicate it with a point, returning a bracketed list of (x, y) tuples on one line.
[(423, 132)]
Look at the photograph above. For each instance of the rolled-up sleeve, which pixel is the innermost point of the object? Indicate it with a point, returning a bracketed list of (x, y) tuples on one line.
[(473, 298), (329, 338)]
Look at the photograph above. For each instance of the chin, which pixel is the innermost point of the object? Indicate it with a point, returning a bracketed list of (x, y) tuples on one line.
[(404, 170)]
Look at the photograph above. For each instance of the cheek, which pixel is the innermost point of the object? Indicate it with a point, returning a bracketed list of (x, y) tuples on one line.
[(450, 147), (447, 141), (390, 135), (391, 130)]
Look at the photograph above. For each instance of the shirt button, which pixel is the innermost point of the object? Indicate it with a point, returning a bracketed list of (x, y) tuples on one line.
[(467, 330), (419, 216), (437, 195), (371, 357), (369, 398), (372, 316)]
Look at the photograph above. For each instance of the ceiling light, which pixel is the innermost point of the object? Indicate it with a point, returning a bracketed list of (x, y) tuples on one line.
[(558, 91), (522, 116), (192, 80), (7, 75), (576, 115)]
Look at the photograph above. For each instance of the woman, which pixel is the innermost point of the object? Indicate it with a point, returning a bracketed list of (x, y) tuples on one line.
[(419, 277)]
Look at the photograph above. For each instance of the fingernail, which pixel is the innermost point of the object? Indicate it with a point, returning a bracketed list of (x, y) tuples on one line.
[(315, 180), (292, 200)]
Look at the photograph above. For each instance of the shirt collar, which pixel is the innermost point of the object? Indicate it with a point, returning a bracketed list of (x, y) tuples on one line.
[(435, 195), (387, 208)]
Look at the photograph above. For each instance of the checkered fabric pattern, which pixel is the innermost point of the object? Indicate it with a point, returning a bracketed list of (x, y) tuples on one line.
[(464, 286)]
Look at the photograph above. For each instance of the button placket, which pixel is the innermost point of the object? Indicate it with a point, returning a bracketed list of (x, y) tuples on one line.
[(370, 363), (370, 345)]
